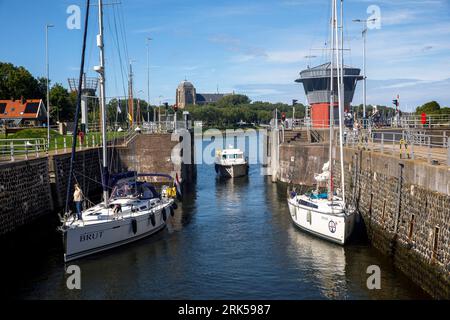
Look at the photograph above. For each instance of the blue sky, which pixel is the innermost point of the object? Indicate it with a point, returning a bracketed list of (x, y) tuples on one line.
[(251, 47)]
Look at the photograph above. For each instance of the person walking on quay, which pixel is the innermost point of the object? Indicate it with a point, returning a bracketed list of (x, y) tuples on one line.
[(77, 198)]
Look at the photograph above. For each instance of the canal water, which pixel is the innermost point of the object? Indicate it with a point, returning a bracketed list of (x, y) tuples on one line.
[(229, 239)]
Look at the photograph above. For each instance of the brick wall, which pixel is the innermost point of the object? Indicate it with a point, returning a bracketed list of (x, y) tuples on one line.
[(24, 193), (87, 172), (405, 220)]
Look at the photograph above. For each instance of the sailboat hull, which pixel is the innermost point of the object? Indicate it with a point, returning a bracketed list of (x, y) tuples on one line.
[(336, 228), (82, 241), (232, 171)]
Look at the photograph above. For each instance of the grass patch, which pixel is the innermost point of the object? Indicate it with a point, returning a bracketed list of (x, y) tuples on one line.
[(57, 140), (34, 134)]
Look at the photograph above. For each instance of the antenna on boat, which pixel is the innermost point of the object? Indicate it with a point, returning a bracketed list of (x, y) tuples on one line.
[(101, 71)]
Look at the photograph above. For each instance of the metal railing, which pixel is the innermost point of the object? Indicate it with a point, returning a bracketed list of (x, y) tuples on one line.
[(165, 126), (431, 121), (435, 149), (22, 148), (402, 122)]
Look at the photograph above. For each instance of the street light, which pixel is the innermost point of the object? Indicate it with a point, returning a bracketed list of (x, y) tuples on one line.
[(364, 32), (47, 26), (148, 78)]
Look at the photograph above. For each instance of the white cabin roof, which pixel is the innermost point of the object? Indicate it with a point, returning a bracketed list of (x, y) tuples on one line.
[(231, 151)]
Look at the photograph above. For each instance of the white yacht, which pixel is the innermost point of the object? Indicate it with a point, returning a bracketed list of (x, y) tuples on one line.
[(231, 163), (326, 218), (135, 210), (328, 215)]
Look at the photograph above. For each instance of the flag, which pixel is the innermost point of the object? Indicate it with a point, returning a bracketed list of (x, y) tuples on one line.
[(118, 108)]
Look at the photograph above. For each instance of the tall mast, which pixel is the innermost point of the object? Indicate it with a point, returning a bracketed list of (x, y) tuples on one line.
[(130, 97), (340, 83), (342, 42), (330, 157), (148, 78), (101, 71)]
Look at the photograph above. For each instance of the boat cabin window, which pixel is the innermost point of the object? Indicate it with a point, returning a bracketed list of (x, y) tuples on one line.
[(145, 192), (307, 204), (232, 156), (334, 204)]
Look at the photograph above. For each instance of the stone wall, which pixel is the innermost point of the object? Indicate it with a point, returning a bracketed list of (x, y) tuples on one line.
[(87, 172), (150, 153), (299, 162), (405, 216), (24, 193)]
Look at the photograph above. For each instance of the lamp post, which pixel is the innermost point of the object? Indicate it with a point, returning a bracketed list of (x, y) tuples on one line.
[(47, 26), (364, 33), (148, 78)]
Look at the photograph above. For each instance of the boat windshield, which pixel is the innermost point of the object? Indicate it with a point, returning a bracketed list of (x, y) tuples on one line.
[(133, 189), (232, 156)]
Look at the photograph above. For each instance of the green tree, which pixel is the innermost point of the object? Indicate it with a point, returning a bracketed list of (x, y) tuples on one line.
[(445, 110), (431, 107), (17, 82), (62, 107), (233, 100)]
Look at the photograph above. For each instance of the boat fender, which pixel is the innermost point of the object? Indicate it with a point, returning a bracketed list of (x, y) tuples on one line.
[(164, 214), (152, 218), (174, 205), (172, 211), (134, 225)]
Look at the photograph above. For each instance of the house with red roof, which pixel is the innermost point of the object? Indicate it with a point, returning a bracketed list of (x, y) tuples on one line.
[(23, 113)]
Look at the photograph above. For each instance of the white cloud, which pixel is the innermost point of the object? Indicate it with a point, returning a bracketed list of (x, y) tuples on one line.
[(287, 56), (389, 18)]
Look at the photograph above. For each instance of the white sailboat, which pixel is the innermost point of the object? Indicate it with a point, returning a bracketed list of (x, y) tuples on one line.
[(134, 210), (327, 215), (231, 163)]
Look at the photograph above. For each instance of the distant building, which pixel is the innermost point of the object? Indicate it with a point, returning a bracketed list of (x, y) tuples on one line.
[(187, 94), (15, 113)]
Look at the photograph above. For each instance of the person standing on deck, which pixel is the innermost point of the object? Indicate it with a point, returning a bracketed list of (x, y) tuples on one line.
[(77, 198)]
